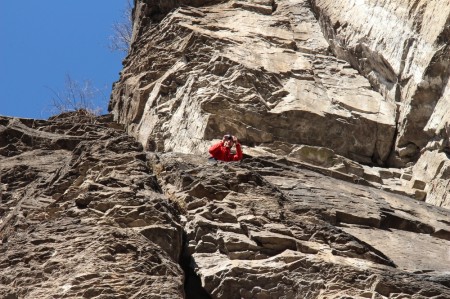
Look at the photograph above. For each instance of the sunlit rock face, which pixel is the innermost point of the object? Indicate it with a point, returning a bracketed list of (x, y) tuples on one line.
[(85, 212), (266, 228), (343, 191), (402, 47), (366, 81), (261, 70)]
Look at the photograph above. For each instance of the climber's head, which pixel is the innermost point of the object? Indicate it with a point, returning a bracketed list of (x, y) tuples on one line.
[(228, 140)]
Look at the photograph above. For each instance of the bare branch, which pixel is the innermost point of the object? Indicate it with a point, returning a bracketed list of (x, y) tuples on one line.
[(75, 97), (120, 39)]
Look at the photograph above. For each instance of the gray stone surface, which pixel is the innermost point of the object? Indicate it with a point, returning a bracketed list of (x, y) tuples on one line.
[(342, 110), (97, 217), (346, 81), (77, 206), (264, 229), (261, 76), (402, 47)]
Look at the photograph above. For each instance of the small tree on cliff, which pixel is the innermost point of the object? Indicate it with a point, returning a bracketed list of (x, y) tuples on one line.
[(75, 96), (120, 39)]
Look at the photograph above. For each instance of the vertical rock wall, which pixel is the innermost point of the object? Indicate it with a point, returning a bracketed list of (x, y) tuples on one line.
[(259, 69), (86, 213), (366, 80), (323, 96), (402, 47)]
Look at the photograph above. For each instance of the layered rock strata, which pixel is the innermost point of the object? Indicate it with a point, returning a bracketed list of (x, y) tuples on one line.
[(402, 47), (85, 212), (266, 228), (264, 74), (81, 214), (365, 81), (324, 95)]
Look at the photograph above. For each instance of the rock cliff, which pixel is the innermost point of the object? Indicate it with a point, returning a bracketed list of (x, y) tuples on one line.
[(78, 208), (326, 82), (343, 191), (86, 213)]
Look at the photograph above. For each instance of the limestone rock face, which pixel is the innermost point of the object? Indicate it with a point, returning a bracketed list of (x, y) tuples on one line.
[(265, 228), (342, 108), (81, 214), (402, 47), (85, 212), (366, 81), (260, 70)]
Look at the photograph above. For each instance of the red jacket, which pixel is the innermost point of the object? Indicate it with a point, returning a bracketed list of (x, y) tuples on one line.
[(220, 152)]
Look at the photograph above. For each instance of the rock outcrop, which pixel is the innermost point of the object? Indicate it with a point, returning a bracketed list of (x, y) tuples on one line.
[(81, 214), (85, 212), (365, 82), (269, 229), (343, 192), (266, 76), (402, 47)]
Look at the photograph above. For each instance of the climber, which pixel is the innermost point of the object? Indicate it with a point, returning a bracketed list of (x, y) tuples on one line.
[(446, 135), (222, 150)]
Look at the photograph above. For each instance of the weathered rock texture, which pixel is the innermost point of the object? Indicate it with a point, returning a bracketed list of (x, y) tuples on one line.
[(86, 213), (81, 214), (232, 67), (366, 81), (402, 47), (341, 107), (267, 229)]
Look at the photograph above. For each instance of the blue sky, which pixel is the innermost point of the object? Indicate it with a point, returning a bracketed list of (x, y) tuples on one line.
[(42, 41)]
